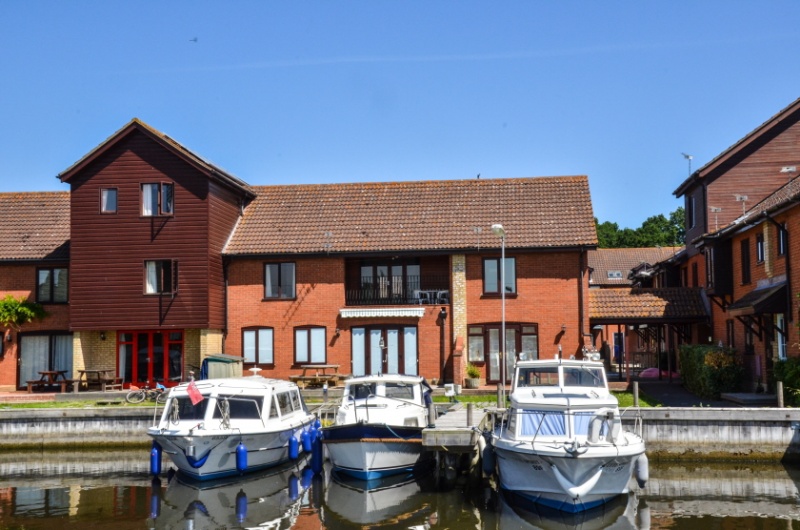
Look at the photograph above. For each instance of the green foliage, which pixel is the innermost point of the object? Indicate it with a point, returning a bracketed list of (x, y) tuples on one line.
[(707, 371), (473, 371), (14, 312), (655, 231), (788, 372)]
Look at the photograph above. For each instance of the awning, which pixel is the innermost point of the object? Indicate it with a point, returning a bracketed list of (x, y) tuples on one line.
[(383, 312), (770, 299)]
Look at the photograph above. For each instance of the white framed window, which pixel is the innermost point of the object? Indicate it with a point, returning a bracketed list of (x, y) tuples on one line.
[(780, 335)]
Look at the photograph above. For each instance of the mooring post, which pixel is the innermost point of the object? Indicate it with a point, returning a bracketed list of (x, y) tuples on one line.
[(636, 393), (431, 415), (470, 407), (779, 392)]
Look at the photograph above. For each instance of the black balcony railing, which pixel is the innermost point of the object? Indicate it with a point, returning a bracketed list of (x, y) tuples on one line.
[(397, 290)]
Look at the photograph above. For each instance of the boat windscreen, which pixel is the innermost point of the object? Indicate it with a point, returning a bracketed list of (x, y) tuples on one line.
[(183, 409), (361, 390), (583, 376), (538, 376), (240, 407)]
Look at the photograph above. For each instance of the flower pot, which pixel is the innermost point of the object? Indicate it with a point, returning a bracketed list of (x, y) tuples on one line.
[(472, 382)]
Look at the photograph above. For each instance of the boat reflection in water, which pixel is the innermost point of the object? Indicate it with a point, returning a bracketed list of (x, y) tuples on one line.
[(389, 502), (271, 499), (621, 513)]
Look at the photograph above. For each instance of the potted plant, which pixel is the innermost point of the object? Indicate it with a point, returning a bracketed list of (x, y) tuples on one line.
[(473, 379)]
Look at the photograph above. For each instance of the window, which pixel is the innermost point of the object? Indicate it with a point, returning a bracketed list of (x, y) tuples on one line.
[(309, 345), (780, 335), (279, 280), (491, 276), (614, 275), (52, 286), (710, 268), (690, 212), (745, 258), (108, 200), (161, 277), (257, 346), (394, 279), (782, 237), (760, 248), (239, 407), (749, 338), (158, 199), (475, 346), (695, 275)]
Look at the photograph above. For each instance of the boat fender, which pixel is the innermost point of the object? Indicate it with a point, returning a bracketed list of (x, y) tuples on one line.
[(294, 490), (306, 438), (155, 459), (306, 477), (155, 498), (604, 416), (317, 456), (241, 506), (317, 424), (294, 447), (241, 457), (641, 470), (487, 456)]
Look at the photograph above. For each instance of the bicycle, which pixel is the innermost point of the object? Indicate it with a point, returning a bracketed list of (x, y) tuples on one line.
[(137, 395)]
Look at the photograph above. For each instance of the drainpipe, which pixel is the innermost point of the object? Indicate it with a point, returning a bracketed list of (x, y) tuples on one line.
[(785, 232), (581, 313)]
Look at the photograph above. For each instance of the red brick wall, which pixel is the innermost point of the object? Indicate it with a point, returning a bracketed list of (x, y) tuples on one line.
[(20, 280), (547, 294), (547, 287)]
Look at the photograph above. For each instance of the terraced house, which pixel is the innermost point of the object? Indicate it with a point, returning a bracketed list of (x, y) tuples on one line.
[(155, 259)]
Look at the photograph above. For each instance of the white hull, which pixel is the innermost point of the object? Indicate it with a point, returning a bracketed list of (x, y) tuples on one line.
[(369, 460), (216, 452), (543, 474)]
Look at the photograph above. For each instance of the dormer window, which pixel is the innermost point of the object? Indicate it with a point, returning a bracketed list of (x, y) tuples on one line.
[(158, 199), (614, 275)]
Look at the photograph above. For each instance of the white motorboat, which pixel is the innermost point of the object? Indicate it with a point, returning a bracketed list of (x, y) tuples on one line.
[(561, 443), (221, 427), (378, 427)]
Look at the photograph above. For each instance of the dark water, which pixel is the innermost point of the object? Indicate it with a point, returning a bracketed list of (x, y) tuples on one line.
[(113, 490)]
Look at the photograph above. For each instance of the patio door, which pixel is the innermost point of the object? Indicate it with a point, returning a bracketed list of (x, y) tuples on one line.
[(40, 352), (493, 353), (150, 357), (384, 350)]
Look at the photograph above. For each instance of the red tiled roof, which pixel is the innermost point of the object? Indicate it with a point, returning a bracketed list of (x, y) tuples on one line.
[(623, 260), (674, 304), (34, 226), (543, 212)]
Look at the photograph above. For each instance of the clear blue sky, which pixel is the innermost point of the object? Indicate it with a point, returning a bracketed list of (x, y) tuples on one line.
[(319, 92)]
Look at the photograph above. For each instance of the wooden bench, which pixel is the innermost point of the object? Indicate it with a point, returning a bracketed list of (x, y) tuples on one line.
[(314, 380), (114, 383), (39, 383)]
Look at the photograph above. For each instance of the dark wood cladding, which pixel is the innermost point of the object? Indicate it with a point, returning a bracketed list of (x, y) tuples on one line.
[(108, 251)]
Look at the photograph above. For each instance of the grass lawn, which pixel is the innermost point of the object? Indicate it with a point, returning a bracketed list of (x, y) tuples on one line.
[(625, 399)]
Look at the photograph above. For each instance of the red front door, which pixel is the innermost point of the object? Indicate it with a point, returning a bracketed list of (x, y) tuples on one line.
[(150, 357)]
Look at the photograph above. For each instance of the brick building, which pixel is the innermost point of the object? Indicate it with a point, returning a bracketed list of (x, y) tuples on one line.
[(156, 259)]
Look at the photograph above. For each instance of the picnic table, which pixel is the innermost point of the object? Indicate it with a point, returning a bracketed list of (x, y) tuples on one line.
[(50, 378), (101, 379), (318, 374)]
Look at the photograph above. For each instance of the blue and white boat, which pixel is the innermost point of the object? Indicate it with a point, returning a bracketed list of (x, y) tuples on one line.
[(562, 444), (378, 427), (215, 428)]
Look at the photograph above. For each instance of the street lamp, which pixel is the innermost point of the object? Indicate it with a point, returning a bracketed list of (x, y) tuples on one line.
[(498, 230)]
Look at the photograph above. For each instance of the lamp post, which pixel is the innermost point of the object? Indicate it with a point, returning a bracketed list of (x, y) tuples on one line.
[(499, 231)]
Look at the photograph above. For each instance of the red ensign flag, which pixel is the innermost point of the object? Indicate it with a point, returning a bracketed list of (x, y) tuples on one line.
[(194, 393)]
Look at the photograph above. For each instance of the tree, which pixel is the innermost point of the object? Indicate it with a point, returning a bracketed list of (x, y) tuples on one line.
[(656, 231), (14, 312)]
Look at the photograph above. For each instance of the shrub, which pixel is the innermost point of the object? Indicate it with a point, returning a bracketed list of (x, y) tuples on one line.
[(473, 372), (788, 372), (708, 371)]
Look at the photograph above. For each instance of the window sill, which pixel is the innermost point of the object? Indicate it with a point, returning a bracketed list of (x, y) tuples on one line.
[(493, 296)]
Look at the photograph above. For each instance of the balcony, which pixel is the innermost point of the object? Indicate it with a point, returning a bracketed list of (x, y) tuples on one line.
[(397, 290)]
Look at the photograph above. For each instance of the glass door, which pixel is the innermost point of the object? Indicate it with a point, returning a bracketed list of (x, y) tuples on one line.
[(150, 357), (384, 350)]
